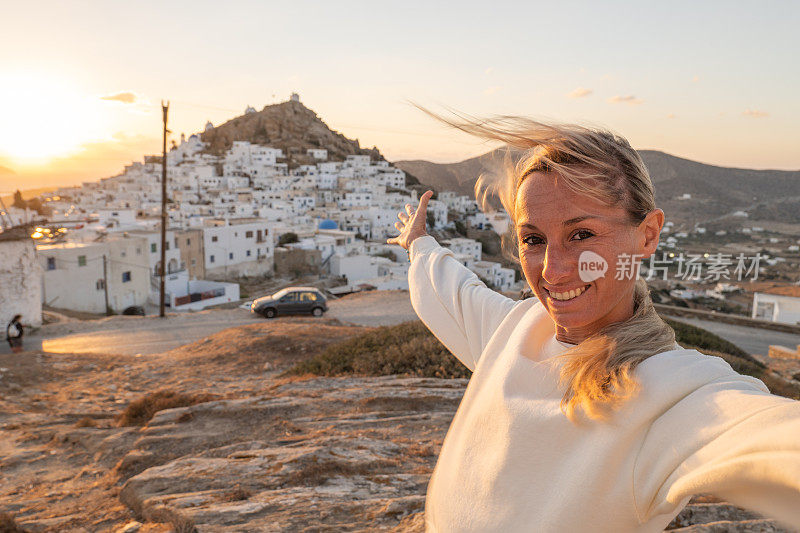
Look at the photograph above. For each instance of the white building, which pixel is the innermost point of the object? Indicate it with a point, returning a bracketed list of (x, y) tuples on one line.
[(464, 246), (318, 153), (75, 278), (20, 279), (778, 304), (501, 278), (239, 247)]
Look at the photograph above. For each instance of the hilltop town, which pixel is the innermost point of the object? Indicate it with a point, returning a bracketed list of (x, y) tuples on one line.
[(308, 203)]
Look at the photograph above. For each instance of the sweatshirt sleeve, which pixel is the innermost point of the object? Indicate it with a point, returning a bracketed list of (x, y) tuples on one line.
[(450, 299), (730, 438)]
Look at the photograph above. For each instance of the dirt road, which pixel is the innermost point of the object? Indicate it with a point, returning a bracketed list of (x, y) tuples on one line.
[(131, 335)]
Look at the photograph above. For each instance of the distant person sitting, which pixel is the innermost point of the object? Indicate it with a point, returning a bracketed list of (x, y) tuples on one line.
[(14, 334)]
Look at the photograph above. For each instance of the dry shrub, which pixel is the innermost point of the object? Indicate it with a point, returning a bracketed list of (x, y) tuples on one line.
[(775, 384), (688, 335), (408, 349), (140, 411), (237, 493), (9, 525), (419, 449), (86, 422)]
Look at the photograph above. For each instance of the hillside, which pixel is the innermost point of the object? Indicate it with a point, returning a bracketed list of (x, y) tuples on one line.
[(290, 126), (715, 191), (212, 436)]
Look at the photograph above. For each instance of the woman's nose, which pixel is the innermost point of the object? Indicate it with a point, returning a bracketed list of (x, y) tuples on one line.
[(559, 265)]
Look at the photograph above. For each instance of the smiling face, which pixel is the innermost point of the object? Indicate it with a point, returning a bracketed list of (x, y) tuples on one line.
[(556, 230)]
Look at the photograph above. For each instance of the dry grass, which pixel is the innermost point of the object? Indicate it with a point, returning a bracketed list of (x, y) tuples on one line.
[(140, 411), (86, 422), (407, 349), (418, 449), (237, 493)]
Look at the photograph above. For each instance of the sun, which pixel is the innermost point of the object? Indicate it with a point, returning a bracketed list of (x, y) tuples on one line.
[(44, 117)]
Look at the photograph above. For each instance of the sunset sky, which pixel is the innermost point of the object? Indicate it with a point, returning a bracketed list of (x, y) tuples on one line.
[(81, 82)]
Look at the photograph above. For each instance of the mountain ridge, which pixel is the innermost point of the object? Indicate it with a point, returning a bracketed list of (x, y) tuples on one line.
[(771, 194)]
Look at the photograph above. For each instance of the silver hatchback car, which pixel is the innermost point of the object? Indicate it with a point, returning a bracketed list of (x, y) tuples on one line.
[(291, 301)]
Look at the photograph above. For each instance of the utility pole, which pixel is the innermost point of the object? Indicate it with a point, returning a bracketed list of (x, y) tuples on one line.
[(164, 109), (105, 281)]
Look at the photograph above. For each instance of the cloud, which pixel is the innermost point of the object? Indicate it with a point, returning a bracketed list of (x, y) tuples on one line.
[(488, 71), (671, 115), (755, 113), (125, 97), (491, 90), (627, 99), (696, 79), (580, 92)]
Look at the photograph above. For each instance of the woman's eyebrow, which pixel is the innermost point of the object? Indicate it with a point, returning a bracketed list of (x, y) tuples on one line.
[(565, 223)]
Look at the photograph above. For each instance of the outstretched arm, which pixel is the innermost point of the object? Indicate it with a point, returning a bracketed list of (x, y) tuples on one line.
[(730, 438), (449, 298)]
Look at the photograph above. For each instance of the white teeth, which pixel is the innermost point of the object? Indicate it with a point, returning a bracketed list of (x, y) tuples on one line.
[(568, 295)]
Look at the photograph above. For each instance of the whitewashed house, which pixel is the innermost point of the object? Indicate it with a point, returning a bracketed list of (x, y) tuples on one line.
[(238, 247), (777, 304), (20, 278), (464, 246), (501, 278), (74, 277)]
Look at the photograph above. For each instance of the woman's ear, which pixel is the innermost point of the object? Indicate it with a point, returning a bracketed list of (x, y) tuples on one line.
[(649, 231)]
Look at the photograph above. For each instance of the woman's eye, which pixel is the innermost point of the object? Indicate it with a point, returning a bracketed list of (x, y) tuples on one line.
[(532, 240), (583, 234)]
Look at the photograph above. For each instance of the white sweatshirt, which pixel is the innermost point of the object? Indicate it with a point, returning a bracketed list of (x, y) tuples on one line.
[(511, 460)]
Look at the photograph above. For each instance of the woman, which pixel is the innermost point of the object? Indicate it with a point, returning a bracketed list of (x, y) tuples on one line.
[(582, 413)]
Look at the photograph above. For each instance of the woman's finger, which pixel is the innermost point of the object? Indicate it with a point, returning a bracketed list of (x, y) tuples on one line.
[(410, 210), (399, 226), (402, 216)]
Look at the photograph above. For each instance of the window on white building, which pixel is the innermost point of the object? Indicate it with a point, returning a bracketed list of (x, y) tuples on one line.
[(126, 276), (51, 263), (211, 259), (81, 260)]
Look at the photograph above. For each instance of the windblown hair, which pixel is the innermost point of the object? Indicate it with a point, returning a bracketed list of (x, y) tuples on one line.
[(597, 373)]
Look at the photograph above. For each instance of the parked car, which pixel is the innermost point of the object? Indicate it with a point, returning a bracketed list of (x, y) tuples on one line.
[(291, 301), (134, 310)]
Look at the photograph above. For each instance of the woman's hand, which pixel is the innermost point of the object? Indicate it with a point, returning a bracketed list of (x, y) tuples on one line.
[(412, 222)]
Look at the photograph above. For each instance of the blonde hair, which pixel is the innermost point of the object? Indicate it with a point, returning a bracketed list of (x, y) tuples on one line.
[(597, 373)]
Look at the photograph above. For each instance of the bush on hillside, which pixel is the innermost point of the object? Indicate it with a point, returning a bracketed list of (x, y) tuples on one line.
[(140, 411), (687, 334), (411, 349), (408, 349)]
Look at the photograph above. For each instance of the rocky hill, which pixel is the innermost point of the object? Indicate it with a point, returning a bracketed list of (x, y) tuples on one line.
[(290, 126), (715, 191), (214, 439)]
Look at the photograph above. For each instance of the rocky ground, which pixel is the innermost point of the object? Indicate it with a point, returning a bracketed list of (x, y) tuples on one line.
[(258, 453)]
